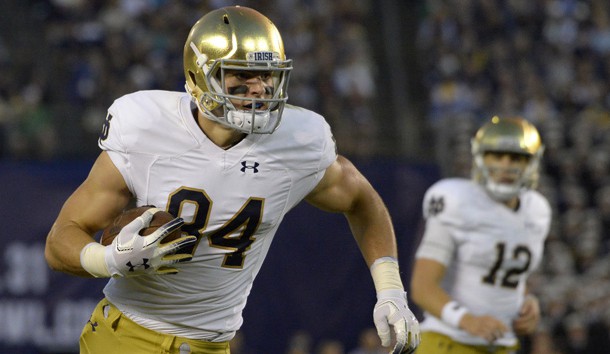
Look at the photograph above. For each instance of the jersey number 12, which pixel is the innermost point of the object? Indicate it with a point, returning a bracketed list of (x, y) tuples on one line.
[(511, 277)]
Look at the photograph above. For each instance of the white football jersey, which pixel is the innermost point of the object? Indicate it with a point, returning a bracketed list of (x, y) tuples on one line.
[(488, 249), (233, 200)]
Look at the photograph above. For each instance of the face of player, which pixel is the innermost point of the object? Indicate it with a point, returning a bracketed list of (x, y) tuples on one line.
[(249, 84), (505, 167)]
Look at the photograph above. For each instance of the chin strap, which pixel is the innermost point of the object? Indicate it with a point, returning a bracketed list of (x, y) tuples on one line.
[(248, 122), (502, 192)]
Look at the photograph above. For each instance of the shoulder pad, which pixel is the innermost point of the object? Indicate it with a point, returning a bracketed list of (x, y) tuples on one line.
[(451, 201)]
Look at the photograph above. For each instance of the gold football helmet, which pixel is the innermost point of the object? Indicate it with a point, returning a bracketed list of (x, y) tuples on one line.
[(514, 135), (236, 38)]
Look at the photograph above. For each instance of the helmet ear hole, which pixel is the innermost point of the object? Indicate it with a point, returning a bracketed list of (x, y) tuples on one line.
[(192, 76), (225, 18)]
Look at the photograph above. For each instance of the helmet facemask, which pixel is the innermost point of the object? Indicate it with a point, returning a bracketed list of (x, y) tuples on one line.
[(526, 178), (508, 135)]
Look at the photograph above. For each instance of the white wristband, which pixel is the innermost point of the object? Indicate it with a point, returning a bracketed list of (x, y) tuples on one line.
[(452, 313), (385, 274), (92, 259)]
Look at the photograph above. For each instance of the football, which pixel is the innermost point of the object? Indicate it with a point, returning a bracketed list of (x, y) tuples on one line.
[(161, 217)]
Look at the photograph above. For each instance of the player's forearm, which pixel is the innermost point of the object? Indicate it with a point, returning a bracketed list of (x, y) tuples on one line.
[(431, 299), (372, 228), (63, 247), (434, 300), (426, 290)]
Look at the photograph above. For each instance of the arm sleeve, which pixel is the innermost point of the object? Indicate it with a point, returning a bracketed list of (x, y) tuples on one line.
[(112, 142), (437, 243), (329, 149), (111, 139)]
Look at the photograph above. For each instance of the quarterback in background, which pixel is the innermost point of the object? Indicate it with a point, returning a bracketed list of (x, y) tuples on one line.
[(483, 237), (228, 158)]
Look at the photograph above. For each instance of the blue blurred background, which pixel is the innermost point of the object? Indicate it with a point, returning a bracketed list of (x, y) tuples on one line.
[(404, 84)]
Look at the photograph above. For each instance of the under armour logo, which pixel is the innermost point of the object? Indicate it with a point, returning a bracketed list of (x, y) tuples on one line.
[(245, 166), (436, 206), (132, 266), (92, 324)]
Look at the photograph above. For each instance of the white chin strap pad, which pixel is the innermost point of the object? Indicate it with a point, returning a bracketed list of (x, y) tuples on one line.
[(502, 192), (249, 122)]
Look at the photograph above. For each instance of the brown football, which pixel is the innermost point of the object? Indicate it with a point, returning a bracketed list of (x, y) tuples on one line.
[(161, 217)]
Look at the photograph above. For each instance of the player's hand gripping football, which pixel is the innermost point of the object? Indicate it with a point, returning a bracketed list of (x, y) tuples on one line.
[(131, 254), (391, 310)]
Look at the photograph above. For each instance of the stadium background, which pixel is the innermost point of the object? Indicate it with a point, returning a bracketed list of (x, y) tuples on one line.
[(403, 84)]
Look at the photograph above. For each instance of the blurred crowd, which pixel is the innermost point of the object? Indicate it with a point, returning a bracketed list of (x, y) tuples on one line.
[(301, 342), (63, 62), (548, 61)]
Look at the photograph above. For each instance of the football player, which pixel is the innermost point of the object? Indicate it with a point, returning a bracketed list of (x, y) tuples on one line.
[(229, 158), (483, 237)]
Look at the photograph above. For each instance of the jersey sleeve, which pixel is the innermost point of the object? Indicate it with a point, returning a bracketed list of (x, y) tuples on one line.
[(437, 243), (110, 137), (329, 148), (327, 157), (541, 211), (111, 141), (444, 213), (539, 216)]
